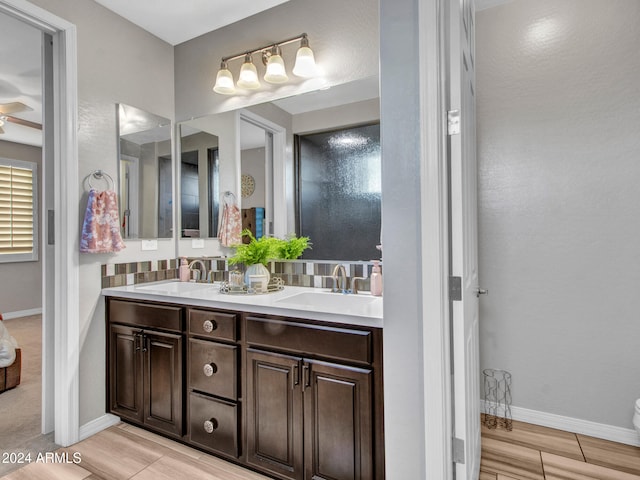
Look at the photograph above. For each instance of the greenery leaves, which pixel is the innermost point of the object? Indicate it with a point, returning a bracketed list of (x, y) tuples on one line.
[(268, 248)]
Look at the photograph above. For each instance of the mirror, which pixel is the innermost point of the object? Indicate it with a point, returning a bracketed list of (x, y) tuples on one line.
[(257, 164), (199, 183), (145, 174)]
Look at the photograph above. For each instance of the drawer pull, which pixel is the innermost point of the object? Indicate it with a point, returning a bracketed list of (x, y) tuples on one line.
[(209, 369), (210, 425), (209, 326)]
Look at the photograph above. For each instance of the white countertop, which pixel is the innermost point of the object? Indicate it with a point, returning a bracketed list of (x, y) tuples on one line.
[(299, 302)]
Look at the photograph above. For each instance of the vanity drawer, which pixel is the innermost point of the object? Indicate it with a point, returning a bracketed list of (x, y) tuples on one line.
[(334, 342), (212, 324), (145, 315), (213, 368), (213, 424)]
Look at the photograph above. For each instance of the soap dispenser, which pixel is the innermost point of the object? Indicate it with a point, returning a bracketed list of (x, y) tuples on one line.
[(376, 279), (183, 271)]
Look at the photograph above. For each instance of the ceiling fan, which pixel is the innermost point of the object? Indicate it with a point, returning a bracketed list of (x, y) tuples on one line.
[(7, 109)]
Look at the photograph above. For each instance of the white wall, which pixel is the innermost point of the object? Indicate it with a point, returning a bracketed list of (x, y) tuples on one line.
[(344, 116), (22, 281), (117, 63), (558, 120)]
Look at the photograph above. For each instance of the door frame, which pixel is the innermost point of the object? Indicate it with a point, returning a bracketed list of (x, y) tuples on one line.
[(60, 358), (275, 190), (436, 240), (417, 362)]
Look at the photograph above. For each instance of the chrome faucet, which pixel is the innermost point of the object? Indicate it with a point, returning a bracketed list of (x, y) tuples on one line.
[(201, 273), (354, 283), (339, 286)]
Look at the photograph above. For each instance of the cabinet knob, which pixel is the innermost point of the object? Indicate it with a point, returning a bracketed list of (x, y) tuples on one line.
[(210, 425), (209, 326), (209, 369)]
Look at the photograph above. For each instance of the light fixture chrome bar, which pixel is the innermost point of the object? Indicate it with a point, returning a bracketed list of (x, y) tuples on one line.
[(265, 47)]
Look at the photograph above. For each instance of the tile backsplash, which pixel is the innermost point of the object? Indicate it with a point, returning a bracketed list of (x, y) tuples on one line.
[(302, 273)]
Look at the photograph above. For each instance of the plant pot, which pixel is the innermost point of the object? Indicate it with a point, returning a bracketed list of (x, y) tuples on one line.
[(257, 272)]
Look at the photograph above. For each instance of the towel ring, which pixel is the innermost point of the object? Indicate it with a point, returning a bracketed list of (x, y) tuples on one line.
[(101, 175), (229, 198)]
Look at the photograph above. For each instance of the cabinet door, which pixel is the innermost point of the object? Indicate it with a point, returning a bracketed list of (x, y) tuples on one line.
[(338, 422), (163, 381), (274, 414), (125, 372)]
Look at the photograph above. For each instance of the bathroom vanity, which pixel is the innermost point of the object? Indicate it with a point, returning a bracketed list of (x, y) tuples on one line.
[(288, 384)]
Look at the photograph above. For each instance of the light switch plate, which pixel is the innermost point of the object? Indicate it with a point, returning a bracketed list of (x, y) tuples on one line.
[(149, 245)]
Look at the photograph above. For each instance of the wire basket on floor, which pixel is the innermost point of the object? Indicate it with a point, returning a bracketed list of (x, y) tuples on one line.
[(497, 399)]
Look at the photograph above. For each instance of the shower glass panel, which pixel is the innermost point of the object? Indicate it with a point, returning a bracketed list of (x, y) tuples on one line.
[(339, 192)]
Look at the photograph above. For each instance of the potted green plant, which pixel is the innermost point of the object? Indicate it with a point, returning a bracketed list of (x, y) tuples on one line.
[(256, 254)]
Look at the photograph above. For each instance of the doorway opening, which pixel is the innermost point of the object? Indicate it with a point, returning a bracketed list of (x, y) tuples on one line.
[(60, 278)]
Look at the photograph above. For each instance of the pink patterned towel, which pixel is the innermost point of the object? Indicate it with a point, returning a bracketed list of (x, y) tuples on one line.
[(101, 227), (230, 226)]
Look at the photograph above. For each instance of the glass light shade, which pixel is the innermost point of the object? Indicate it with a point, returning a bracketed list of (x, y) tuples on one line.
[(305, 63), (248, 75), (276, 72), (224, 82)]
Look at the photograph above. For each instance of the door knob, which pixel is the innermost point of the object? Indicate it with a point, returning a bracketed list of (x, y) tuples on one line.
[(481, 291)]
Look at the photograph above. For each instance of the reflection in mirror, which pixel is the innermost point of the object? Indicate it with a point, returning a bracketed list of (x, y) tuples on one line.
[(265, 166), (339, 192), (145, 174), (199, 183), (253, 179)]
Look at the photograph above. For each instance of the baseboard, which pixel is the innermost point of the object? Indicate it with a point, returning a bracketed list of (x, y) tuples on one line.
[(627, 436), (97, 425), (21, 313)]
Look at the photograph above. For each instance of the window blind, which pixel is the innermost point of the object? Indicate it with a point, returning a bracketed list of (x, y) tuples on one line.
[(16, 210)]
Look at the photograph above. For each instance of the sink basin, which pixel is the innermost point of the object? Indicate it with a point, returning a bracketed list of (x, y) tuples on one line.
[(331, 300), (176, 288)]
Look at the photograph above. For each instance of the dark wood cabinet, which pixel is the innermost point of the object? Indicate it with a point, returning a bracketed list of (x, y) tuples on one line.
[(274, 413), (294, 399), (125, 372), (213, 376), (145, 372), (162, 380), (338, 421), (309, 418)]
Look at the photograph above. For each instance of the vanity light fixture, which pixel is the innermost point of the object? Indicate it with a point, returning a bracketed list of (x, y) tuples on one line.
[(248, 74), (224, 80), (276, 73), (305, 66)]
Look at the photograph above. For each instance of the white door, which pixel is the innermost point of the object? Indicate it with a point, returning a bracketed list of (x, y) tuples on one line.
[(464, 241)]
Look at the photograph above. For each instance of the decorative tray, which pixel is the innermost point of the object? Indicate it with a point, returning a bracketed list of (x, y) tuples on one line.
[(275, 284)]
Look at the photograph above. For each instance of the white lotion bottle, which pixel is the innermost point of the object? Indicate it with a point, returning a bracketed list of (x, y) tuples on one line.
[(376, 279)]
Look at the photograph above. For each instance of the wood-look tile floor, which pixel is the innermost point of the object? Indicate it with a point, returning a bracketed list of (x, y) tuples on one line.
[(528, 452), (531, 452)]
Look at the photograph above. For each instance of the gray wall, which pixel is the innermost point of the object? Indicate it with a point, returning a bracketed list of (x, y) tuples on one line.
[(253, 163), (558, 120), (343, 36), (117, 63), (22, 281)]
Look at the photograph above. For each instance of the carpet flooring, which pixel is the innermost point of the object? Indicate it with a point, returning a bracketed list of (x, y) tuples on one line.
[(20, 407)]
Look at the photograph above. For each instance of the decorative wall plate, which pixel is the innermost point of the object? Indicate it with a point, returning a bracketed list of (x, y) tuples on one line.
[(248, 185)]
